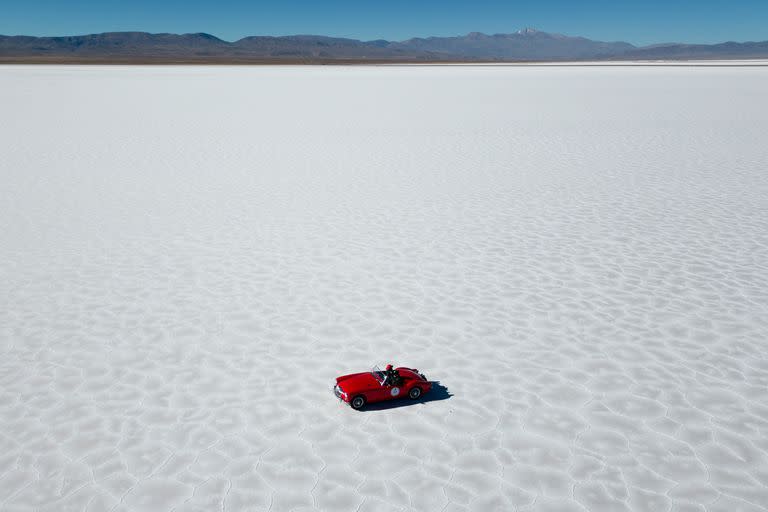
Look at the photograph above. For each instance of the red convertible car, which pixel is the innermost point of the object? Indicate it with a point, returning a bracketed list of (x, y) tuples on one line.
[(358, 389)]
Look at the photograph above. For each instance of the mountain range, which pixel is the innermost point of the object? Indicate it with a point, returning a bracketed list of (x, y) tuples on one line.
[(523, 45)]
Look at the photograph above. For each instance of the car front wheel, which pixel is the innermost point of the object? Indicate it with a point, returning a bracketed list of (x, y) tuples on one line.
[(414, 393), (358, 402)]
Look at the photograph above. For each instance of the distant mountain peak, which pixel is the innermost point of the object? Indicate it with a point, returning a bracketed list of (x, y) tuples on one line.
[(527, 31)]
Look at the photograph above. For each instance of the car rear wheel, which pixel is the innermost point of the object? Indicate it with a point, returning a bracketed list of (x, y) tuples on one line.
[(357, 402), (414, 393)]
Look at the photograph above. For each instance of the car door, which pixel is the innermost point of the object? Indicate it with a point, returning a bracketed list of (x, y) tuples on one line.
[(390, 391), (397, 391), (384, 392)]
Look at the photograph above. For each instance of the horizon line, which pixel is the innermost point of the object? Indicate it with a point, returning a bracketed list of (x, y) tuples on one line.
[(520, 31)]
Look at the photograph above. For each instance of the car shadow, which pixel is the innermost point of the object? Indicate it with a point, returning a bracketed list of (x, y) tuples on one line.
[(437, 392)]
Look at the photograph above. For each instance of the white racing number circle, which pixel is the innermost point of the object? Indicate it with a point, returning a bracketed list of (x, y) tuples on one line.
[(395, 391)]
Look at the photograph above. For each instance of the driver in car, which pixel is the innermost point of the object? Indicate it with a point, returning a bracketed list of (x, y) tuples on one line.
[(391, 377)]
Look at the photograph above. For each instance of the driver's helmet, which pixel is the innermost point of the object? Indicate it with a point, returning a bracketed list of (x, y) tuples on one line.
[(389, 367)]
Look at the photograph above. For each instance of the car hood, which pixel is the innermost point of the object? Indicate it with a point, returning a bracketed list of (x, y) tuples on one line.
[(356, 382)]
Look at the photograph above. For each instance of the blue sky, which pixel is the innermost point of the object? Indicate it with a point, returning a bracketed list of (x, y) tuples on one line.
[(635, 21)]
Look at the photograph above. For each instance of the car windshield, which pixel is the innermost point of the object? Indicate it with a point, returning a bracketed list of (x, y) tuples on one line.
[(378, 374)]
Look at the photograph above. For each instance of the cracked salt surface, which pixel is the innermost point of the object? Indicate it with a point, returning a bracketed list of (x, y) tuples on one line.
[(190, 255)]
